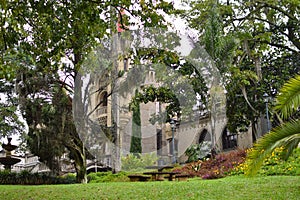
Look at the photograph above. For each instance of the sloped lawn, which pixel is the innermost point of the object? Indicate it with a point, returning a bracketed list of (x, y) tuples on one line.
[(234, 187)]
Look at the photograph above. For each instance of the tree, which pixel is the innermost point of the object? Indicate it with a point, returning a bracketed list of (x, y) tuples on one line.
[(49, 31), (9, 112), (263, 28), (180, 78), (254, 33), (287, 135), (10, 123), (50, 118)]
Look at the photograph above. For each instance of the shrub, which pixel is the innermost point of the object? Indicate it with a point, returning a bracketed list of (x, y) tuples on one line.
[(218, 167), (68, 178), (273, 165), (138, 162), (27, 178), (100, 177)]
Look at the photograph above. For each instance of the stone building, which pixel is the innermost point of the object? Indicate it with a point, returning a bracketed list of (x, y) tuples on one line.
[(157, 138)]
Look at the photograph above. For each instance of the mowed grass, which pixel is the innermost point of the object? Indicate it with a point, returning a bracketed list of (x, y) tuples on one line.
[(235, 187)]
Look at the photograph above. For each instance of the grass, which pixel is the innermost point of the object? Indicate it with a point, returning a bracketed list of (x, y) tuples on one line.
[(234, 187)]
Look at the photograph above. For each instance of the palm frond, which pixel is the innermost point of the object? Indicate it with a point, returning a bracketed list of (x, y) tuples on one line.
[(287, 136), (288, 149), (288, 100)]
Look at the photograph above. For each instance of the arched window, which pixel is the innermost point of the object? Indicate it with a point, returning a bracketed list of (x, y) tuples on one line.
[(229, 140), (204, 136), (204, 143), (103, 98), (102, 106)]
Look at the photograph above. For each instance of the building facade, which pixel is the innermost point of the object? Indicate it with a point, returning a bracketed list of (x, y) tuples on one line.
[(160, 138)]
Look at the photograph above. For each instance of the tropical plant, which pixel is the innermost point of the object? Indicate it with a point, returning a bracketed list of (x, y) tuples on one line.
[(198, 151), (287, 135)]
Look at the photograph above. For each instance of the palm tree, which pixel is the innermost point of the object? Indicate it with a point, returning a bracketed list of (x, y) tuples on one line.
[(287, 135)]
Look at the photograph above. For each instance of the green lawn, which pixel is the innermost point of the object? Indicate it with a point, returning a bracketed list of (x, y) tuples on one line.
[(235, 187)]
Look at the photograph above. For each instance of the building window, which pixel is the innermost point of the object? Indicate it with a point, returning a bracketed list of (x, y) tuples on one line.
[(103, 98), (204, 136), (229, 140)]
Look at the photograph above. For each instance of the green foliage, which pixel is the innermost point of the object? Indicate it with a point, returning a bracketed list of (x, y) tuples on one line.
[(181, 83), (288, 100), (47, 127), (274, 164), (10, 123), (255, 46), (138, 162), (46, 33), (160, 94), (27, 178), (286, 135), (198, 151), (136, 138), (101, 177)]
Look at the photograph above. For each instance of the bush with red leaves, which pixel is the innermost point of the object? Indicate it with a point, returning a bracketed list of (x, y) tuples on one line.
[(218, 167)]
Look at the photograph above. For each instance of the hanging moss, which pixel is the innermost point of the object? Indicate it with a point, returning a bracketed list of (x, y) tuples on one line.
[(136, 141)]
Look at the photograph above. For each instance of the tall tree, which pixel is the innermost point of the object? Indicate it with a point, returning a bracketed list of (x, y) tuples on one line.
[(261, 30), (48, 32), (10, 121)]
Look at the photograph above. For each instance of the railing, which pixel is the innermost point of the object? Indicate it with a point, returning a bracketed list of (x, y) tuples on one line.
[(105, 160), (102, 120)]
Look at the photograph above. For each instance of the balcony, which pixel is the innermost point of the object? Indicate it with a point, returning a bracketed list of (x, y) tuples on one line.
[(102, 120)]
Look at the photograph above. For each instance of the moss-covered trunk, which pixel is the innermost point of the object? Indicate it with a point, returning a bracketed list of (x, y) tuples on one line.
[(80, 166)]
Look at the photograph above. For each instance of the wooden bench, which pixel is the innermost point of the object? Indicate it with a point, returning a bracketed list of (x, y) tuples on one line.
[(160, 168), (182, 177), (138, 177)]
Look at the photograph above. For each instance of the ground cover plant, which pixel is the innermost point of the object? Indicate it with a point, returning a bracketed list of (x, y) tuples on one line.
[(234, 187), (275, 165)]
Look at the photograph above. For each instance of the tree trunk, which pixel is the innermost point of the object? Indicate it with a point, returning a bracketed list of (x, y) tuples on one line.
[(80, 166), (116, 151), (116, 154), (77, 147), (259, 121)]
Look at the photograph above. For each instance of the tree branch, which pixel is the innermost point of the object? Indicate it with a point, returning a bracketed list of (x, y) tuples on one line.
[(265, 4), (280, 46)]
